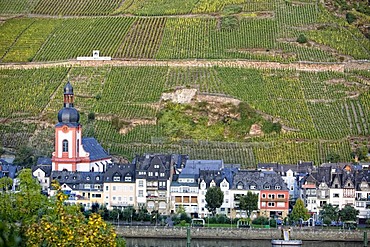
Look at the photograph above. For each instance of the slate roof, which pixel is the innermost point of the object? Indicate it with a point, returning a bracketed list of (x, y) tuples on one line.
[(8, 170), (122, 170), (300, 167), (46, 168), (92, 146), (246, 178), (79, 179), (44, 161)]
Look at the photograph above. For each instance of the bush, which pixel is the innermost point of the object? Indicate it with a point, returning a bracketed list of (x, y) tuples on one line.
[(91, 116), (229, 22), (232, 9), (350, 17), (302, 39), (261, 220)]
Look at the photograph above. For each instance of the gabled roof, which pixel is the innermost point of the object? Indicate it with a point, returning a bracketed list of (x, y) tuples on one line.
[(46, 168), (121, 169), (246, 178), (92, 146), (78, 178), (8, 171)]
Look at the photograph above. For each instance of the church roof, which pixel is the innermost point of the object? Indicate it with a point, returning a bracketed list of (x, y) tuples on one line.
[(92, 146)]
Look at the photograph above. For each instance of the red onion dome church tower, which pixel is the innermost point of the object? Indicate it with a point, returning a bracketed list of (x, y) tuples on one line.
[(72, 152)]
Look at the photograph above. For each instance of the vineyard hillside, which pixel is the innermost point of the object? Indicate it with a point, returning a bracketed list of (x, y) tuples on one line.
[(243, 81)]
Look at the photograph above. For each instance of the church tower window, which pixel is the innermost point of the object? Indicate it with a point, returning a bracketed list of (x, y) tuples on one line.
[(65, 146)]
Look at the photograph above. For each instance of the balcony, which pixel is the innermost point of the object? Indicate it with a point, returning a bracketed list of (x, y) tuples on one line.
[(156, 198)]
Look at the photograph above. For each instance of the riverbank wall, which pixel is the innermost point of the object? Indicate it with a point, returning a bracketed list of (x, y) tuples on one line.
[(304, 234)]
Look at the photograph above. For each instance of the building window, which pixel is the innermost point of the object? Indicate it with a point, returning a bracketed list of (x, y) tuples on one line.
[(266, 186), (114, 188), (150, 174), (97, 178), (263, 195), (240, 186), (127, 179), (156, 166), (277, 187), (116, 179), (336, 195), (65, 146), (271, 204), (141, 183), (252, 187), (106, 188), (141, 193), (78, 146), (162, 174), (280, 195), (87, 178)]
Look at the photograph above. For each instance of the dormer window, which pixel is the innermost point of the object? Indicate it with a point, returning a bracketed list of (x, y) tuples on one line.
[(88, 178), (156, 166), (65, 146), (116, 178), (97, 178), (266, 186), (277, 187), (127, 179), (240, 186), (252, 187)]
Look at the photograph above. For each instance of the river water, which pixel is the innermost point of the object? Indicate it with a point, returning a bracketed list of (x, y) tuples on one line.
[(146, 242)]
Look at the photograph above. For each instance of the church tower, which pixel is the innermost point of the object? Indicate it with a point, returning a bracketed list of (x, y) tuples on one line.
[(68, 137)]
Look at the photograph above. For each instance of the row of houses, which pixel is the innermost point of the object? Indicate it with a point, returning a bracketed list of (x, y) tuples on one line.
[(166, 182)]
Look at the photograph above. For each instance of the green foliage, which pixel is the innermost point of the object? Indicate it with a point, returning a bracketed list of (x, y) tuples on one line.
[(9, 235), (350, 17), (91, 116), (299, 211), (229, 22), (5, 184), (260, 220), (348, 213), (329, 212), (64, 225), (249, 202), (214, 199), (361, 153), (333, 158), (232, 9), (25, 157), (302, 39)]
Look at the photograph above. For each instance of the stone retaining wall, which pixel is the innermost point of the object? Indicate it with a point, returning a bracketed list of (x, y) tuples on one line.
[(238, 233)]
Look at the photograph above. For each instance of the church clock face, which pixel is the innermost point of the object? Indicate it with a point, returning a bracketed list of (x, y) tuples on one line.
[(65, 129)]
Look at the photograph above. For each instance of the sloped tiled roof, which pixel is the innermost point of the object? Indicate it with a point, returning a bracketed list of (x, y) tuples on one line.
[(46, 168), (92, 146), (43, 161), (258, 179)]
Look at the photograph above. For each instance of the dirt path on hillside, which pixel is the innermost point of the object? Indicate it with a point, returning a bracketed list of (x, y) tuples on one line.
[(300, 66)]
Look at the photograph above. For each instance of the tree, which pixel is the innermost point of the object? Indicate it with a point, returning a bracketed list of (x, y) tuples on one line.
[(348, 213), (24, 157), (249, 202), (214, 199), (65, 225), (5, 183), (302, 39), (332, 157), (330, 212), (299, 211)]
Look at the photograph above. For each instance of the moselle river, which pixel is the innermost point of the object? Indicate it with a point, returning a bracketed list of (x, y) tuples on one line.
[(157, 242)]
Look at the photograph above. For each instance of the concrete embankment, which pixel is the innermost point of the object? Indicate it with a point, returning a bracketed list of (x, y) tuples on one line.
[(239, 233)]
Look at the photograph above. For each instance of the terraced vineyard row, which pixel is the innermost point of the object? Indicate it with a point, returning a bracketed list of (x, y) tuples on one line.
[(266, 39), (78, 37), (316, 123)]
